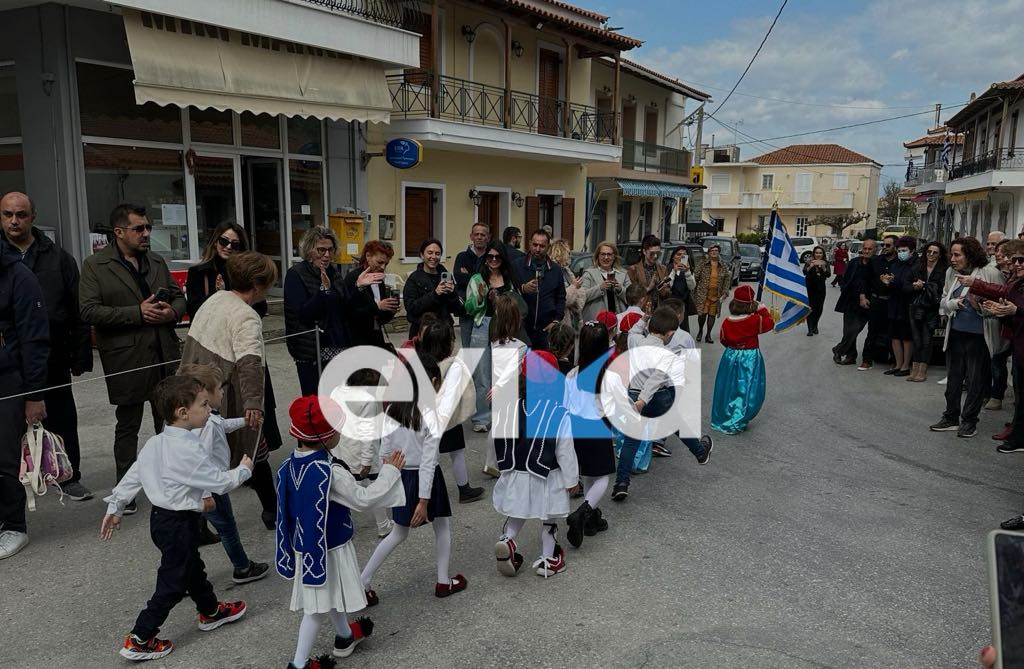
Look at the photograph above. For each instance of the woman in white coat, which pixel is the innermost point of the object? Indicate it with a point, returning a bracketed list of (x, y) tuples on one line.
[(604, 285)]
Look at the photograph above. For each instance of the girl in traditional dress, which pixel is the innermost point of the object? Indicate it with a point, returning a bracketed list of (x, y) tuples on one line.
[(714, 276), (740, 382)]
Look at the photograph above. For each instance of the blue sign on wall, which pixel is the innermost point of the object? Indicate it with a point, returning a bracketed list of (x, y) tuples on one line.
[(403, 153)]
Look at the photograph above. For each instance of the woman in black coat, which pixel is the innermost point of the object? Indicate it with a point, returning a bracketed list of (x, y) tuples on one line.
[(816, 271), (901, 273), (682, 283), (370, 307), (424, 291), (925, 285)]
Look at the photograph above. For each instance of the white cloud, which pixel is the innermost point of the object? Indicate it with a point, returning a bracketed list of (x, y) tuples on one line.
[(900, 54)]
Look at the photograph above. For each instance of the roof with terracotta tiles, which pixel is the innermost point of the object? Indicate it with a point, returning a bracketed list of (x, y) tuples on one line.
[(610, 37), (933, 140), (590, 14), (986, 99), (812, 154)]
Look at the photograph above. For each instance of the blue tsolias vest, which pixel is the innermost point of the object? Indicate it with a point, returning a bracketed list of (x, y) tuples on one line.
[(307, 521)]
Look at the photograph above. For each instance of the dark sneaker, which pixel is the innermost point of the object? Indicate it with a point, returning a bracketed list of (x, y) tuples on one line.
[(254, 572), (708, 443), (967, 430), (227, 612), (130, 509), (595, 524), (371, 598), (509, 561), (864, 366), (945, 426), (549, 566), (457, 583), (661, 451), (1007, 447), (620, 491), (1015, 524), (136, 649), (321, 662), (76, 491), (362, 629), (577, 522), (468, 493), (208, 537), (269, 519)]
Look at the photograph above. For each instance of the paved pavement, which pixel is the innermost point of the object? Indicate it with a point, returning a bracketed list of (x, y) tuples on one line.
[(836, 532)]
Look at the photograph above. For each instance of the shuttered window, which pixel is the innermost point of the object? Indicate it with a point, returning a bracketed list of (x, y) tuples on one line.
[(419, 219)]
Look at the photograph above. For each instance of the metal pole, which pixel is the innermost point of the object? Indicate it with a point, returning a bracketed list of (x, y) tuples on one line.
[(699, 155), (319, 364)]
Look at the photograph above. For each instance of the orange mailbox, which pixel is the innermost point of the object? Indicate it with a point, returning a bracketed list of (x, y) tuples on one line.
[(349, 228)]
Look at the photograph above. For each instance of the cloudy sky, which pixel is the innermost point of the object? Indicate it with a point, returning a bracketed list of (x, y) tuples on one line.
[(843, 62)]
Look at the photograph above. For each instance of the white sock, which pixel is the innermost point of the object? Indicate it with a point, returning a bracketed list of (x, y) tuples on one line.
[(340, 620), (459, 467), (380, 514), (383, 550), (512, 527), (443, 547), (547, 540), (308, 629), (595, 488)]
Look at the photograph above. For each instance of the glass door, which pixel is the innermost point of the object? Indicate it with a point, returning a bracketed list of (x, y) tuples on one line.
[(215, 180), (264, 208)]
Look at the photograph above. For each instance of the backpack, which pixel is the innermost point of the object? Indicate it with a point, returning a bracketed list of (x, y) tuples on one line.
[(44, 462)]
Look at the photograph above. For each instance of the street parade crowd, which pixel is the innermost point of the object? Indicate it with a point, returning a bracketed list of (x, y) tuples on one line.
[(559, 356)]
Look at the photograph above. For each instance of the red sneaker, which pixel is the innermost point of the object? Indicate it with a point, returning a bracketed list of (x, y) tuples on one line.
[(136, 649), (549, 566), (1004, 434), (456, 584), (227, 612), (509, 561)]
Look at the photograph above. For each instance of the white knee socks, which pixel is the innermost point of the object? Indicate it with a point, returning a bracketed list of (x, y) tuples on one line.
[(547, 540), (340, 619), (512, 527), (459, 467), (383, 550), (594, 488), (443, 547), (308, 629)]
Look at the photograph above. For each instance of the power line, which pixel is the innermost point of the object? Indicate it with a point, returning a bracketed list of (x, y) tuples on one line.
[(811, 104), (753, 58)]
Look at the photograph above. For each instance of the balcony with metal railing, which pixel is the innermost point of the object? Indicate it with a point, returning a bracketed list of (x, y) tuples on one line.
[(395, 13), (645, 157), (913, 177), (997, 159)]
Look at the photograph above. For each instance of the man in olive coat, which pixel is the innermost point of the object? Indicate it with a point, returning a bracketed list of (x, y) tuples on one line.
[(128, 295)]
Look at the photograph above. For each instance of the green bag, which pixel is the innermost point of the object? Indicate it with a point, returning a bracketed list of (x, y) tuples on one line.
[(476, 298)]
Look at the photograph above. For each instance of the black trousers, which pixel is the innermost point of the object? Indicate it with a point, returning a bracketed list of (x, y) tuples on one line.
[(817, 300), (877, 346), (1000, 375), (1017, 433), (62, 416), (921, 329), (538, 338), (309, 377), (271, 430), (262, 483), (967, 359), (181, 572), (853, 325), (12, 428), (126, 433)]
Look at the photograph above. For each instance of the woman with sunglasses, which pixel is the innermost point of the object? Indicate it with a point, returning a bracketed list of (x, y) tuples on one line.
[(925, 287)]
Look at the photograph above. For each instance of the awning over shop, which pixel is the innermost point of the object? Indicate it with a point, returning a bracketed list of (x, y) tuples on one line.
[(191, 64), (635, 188), (969, 196)]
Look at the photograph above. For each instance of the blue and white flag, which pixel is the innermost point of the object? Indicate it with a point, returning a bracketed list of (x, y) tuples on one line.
[(947, 149), (910, 170), (784, 277)]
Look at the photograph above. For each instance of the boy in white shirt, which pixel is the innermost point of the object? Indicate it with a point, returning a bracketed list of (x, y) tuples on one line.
[(175, 471), (214, 437), (636, 301)]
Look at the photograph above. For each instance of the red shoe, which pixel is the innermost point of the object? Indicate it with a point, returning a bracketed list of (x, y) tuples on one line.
[(136, 649), (371, 598), (509, 561), (456, 584), (549, 566), (361, 629), (227, 612), (1004, 434), (321, 662)]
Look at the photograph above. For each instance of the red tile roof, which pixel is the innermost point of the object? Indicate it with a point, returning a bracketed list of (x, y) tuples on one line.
[(578, 10), (985, 99), (811, 154), (607, 36), (933, 140)]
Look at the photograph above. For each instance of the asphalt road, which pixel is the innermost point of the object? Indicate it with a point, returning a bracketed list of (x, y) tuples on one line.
[(836, 532)]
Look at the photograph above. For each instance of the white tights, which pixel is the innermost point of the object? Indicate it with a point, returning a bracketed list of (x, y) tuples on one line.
[(547, 534), (594, 488), (310, 627), (459, 467), (442, 549)]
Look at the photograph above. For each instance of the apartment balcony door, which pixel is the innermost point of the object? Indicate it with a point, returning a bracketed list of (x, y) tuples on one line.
[(548, 87)]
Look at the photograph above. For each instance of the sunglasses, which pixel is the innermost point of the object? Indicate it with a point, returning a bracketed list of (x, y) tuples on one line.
[(1017, 260), (138, 229), (234, 244), (20, 215), (493, 256)]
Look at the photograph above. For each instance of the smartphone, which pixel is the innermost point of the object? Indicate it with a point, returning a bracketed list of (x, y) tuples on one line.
[(1006, 578), (162, 295), (446, 276)]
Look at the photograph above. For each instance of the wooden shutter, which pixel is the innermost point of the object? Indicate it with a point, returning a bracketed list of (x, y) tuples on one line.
[(650, 132), (421, 77), (568, 220), (419, 219), (629, 122), (532, 219), (548, 110), (488, 212)]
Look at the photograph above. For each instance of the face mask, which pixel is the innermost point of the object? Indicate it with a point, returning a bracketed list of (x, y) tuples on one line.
[(903, 255)]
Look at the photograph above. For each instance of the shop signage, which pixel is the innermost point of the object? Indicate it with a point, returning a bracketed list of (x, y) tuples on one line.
[(403, 153)]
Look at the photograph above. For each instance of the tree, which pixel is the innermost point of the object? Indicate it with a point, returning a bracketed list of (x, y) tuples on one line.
[(891, 207), (839, 223)]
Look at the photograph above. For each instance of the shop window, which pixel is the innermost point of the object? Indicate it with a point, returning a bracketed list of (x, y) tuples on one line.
[(12, 169), (260, 130), (106, 102), (211, 126), (307, 198), (10, 125), (153, 178), (304, 136)]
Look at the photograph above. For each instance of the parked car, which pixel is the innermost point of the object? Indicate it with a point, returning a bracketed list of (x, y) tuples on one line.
[(804, 246), (580, 262), (751, 256), (730, 253)]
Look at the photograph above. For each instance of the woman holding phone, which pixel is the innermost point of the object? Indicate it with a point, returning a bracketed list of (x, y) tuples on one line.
[(370, 307), (430, 289), (682, 283), (604, 284)]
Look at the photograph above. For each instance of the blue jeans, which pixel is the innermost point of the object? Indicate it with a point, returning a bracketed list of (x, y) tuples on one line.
[(465, 330), (479, 338), (659, 404), (223, 519)]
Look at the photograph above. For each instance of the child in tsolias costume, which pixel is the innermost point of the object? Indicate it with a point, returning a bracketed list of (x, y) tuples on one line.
[(316, 494), (740, 382), (534, 446)]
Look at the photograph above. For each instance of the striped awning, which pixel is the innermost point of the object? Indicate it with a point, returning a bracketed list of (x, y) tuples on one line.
[(634, 188)]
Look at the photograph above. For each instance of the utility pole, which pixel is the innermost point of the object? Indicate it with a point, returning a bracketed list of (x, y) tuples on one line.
[(938, 113), (699, 155)]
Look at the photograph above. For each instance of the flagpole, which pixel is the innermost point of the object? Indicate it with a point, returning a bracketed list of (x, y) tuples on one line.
[(768, 245)]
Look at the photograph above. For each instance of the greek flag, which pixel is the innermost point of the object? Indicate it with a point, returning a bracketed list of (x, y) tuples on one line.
[(910, 170), (947, 149), (784, 277)]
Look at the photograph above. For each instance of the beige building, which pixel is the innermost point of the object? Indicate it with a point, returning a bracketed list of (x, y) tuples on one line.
[(807, 181), (505, 107)]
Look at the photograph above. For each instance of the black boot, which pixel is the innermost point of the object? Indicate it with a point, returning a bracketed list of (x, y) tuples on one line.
[(577, 522), (468, 493), (596, 523)]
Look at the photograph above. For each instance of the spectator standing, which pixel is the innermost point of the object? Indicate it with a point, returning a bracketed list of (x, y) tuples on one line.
[(853, 304), (713, 279), (901, 273), (650, 273), (370, 307), (127, 294), (926, 284), (70, 345), (467, 263), (426, 293), (543, 288), (682, 283), (816, 273), (604, 283), (1000, 375), (840, 257), (876, 295), (512, 237), (23, 323), (574, 296)]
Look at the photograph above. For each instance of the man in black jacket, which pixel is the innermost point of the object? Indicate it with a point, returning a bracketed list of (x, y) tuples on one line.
[(512, 238), (24, 348), (852, 305), (70, 346), (543, 288), (875, 292), (467, 263)]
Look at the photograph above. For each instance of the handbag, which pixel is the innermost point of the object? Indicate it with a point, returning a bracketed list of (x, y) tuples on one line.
[(44, 463)]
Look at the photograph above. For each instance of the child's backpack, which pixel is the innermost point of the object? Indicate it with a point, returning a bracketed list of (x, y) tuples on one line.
[(44, 462)]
